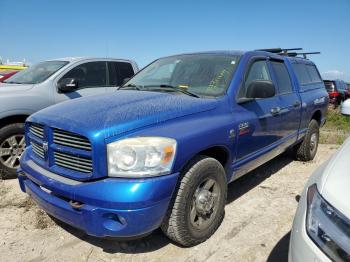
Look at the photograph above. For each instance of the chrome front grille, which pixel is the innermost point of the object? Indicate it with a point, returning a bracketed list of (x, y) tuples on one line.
[(37, 149), (69, 139), (60, 148), (37, 130), (76, 163)]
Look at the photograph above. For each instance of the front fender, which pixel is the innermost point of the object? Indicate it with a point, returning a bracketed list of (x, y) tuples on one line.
[(21, 105)]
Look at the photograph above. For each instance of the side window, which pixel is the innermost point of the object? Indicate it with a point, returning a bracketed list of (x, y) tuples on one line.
[(125, 71), (118, 71), (314, 75), (282, 77), (301, 73), (91, 74), (257, 71)]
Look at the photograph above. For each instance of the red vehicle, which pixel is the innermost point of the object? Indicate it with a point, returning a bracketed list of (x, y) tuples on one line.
[(4, 74), (336, 91)]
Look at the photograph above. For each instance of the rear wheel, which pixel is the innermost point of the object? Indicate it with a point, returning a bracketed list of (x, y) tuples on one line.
[(306, 150), (12, 145), (198, 207)]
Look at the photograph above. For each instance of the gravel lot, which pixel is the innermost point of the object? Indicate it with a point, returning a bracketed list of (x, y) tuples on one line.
[(259, 214)]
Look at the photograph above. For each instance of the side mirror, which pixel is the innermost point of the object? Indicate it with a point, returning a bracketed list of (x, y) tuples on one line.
[(126, 80), (260, 89), (67, 85)]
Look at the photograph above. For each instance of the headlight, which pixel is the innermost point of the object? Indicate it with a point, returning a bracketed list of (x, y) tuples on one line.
[(327, 227), (141, 157)]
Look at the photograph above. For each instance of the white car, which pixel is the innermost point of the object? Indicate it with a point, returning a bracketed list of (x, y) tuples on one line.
[(345, 107), (321, 228)]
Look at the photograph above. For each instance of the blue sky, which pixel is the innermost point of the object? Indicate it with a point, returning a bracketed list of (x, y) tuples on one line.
[(146, 30)]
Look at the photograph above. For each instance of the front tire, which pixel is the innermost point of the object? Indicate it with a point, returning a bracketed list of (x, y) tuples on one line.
[(198, 207), (306, 150), (12, 146)]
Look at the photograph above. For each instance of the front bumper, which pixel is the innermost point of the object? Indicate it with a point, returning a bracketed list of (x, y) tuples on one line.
[(301, 247), (111, 207)]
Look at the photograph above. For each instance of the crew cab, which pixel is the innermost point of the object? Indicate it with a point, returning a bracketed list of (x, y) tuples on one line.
[(161, 151), (48, 83)]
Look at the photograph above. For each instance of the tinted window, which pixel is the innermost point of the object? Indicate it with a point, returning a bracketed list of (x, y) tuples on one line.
[(313, 73), (125, 71), (301, 73), (113, 75), (329, 85), (37, 73), (92, 74), (257, 71), (282, 77), (118, 71)]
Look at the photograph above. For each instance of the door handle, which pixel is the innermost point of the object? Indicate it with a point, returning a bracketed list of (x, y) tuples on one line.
[(275, 111), (296, 104)]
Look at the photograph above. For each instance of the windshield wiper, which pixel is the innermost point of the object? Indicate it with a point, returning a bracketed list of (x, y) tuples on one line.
[(11, 82), (175, 89), (133, 86)]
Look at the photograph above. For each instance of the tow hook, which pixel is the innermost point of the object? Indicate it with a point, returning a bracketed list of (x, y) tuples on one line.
[(21, 174), (75, 204)]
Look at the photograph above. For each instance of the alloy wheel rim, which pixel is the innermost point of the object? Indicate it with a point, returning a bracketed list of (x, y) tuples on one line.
[(205, 202), (11, 150)]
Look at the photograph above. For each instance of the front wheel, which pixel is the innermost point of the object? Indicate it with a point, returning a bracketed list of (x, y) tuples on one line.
[(306, 150), (199, 205), (12, 146)]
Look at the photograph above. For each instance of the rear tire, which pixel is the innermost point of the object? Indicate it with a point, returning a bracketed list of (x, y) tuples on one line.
[(11, 148), (198, 206), (306, 150)]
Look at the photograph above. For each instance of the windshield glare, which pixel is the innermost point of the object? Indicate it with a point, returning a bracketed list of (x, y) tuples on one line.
[(202, 74), (37, 73)]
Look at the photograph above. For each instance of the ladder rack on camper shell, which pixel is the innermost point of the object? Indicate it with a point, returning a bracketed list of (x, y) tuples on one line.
[(286, 52)]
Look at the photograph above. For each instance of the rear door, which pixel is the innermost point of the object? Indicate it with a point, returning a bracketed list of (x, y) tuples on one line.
[(288, 100)]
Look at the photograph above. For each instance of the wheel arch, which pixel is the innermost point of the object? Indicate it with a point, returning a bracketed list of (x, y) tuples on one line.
[(219, 152), (317, 115), (18, 118)]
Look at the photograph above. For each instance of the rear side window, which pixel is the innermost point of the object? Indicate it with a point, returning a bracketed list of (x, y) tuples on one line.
[(329, 85), (282, 77), (302, 74), (118, 71), (314, 75), (307, 74), (125, 70)]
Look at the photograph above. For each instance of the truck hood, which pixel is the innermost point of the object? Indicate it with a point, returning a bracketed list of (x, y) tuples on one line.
[(335, 181), (109, 115), (8, 89)]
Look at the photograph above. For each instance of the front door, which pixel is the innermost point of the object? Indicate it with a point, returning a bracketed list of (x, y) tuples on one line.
[(258, 124), (91, 78)]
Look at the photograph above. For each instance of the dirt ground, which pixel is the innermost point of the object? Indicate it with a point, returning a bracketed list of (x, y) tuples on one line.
[(256, 227)]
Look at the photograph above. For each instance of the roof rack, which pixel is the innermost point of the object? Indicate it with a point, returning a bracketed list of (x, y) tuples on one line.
[(285, 51)]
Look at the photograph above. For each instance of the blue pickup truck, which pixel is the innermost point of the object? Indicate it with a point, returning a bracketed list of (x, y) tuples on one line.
[(162, 149)]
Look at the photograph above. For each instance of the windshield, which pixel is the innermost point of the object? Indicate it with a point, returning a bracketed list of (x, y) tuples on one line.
[(37, 73), (205, 75)]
